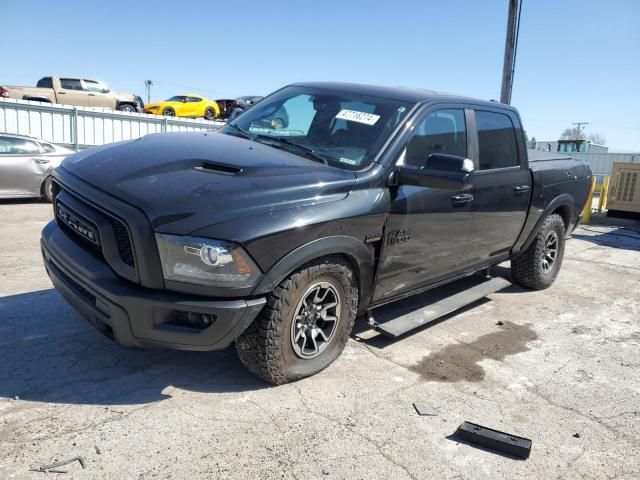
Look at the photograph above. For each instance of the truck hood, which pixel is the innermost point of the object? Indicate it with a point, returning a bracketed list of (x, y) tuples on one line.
[(188, 181)]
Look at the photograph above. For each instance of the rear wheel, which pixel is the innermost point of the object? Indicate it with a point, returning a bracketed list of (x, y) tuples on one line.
[(305, 324), (168, 112), (210, 113), (47, 189), (538, 266)]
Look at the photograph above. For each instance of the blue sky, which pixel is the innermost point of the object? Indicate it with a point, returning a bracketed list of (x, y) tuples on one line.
[(578, 60)]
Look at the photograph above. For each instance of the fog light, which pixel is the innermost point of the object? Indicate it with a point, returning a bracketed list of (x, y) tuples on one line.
[(193, 320)]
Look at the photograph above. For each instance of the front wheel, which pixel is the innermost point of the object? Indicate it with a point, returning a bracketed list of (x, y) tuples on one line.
[(305, 325), (538, 266), (210, 113), (169, 112), (47, 189), (127, 108)]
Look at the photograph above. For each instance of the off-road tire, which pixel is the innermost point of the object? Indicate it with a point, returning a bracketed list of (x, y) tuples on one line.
[(209, 113), (168, 112), (527, 268), (46, 190), (265, 348)]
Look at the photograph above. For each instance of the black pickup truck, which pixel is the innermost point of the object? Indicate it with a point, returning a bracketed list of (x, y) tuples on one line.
[(276, 235)]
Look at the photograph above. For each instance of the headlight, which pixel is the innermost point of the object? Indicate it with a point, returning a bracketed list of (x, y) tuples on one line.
[(205, 262)]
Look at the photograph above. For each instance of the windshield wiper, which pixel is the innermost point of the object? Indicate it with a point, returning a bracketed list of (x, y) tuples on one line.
[(309, 151), (238, 128)]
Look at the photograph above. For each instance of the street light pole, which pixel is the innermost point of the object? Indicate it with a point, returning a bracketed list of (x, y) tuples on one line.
[(147, 84), (510, 50)]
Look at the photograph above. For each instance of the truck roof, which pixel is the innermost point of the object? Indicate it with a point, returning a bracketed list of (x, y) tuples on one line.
[(404, 94)]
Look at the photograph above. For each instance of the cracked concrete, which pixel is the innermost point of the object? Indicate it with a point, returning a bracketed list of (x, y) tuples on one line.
[(563, 361)]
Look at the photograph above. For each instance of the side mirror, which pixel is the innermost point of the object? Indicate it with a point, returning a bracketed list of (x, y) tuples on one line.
[(441, 170), (105, 90)]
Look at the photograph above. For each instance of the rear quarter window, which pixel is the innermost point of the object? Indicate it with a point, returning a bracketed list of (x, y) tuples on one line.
[(45, 83), (496, 140)]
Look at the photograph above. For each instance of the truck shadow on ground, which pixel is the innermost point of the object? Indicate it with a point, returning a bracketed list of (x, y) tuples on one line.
[(49, 354), (624, 238), (459, 361)]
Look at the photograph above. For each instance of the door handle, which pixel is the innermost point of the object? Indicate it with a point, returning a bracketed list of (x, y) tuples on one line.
[(461, 198), (521, 188), (92, 94), (61, 93), (41, 160)]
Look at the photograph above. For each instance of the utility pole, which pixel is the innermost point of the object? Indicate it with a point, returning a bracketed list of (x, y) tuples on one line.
[(148, 84), (510, 50), (578, 127)]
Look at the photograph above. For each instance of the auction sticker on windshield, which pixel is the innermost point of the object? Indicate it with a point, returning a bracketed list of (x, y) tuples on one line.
[(360, 117)]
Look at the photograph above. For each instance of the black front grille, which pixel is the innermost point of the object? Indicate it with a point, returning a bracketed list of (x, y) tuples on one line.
[(121, 232), (123, 240)]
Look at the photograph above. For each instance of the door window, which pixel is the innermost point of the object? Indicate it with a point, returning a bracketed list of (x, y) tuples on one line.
[(442, 131), (496, 141), (93, 86), (17, 146), (71, 83)]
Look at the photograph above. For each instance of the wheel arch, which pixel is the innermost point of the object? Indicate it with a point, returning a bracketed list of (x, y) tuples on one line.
[(563, 205), (351, 249), (37, 98)]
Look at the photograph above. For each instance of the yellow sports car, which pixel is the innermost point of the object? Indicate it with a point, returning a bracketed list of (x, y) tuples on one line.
[(189, 105)]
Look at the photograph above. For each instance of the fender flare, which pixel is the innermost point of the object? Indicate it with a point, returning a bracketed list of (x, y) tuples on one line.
[(37, 98), (563, 200), (355, 250)]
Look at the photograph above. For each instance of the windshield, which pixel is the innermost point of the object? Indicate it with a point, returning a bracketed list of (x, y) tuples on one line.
[(344, 129)]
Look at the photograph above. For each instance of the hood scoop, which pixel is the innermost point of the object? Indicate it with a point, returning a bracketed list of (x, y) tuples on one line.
[(220, 168)]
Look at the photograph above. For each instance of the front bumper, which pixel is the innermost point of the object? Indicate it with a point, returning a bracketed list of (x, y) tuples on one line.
[(135, 316)]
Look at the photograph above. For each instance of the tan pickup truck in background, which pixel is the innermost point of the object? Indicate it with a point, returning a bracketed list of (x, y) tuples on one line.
[(75, 91)]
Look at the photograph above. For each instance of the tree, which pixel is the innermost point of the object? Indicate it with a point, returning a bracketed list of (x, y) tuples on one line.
[(572, 134), (597, 138)]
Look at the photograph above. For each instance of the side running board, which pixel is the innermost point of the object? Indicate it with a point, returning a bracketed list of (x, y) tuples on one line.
[(400, 317)]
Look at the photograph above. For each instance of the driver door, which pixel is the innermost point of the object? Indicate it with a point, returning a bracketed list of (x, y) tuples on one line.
[(429, 232), (98, 94)]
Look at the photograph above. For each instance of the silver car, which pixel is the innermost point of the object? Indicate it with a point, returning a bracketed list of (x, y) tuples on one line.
[(26, 164)]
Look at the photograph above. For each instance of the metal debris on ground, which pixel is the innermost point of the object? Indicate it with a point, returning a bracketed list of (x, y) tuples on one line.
[(425, 410), (502, 442), (53, 467)]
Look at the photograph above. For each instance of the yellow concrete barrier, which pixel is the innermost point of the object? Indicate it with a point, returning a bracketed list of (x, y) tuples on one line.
[(602, 201), (604, 191)]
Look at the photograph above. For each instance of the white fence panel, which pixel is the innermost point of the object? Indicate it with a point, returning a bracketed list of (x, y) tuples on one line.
[(80, 127), (602, 163)]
